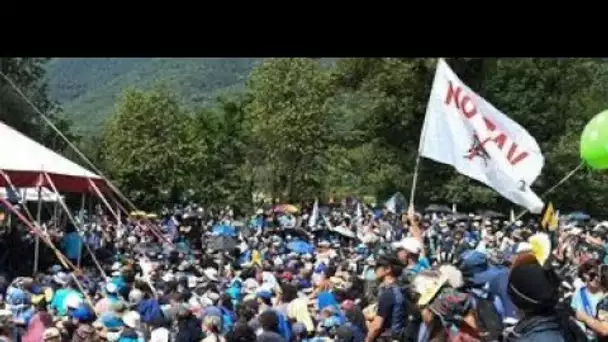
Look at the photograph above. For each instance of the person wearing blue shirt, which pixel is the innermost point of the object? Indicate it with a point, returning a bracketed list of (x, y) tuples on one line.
[(71, 244), (410, 253), (587, 297)]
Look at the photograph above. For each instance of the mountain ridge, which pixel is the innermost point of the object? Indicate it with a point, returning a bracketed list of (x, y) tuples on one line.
[(87, 88)]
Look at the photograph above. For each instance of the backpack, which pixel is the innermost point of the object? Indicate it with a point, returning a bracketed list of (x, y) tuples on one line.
[(412, 314), (227, 320), (488, 320)]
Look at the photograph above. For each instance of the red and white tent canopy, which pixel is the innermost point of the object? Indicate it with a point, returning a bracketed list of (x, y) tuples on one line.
[(26, 161)]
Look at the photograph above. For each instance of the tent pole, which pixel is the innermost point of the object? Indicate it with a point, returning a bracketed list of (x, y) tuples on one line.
[(82, 232), (8, 181), (55, 216), (119, 222), (36, 230), (151, 228), (39, 221), (73, 221)]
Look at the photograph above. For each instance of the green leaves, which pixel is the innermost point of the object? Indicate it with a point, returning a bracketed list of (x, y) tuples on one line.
[(303, 129), (289, 120), (144, 144)]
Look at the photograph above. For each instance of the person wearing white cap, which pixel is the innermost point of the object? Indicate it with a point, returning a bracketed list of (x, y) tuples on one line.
[(410, 250), (64, 297), (131, 332), (111, 297)]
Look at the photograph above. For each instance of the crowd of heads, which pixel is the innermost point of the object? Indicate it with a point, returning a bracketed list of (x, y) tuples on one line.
[(341, 273)]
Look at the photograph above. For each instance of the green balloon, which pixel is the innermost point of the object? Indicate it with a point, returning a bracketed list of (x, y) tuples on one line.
[(594, 142)]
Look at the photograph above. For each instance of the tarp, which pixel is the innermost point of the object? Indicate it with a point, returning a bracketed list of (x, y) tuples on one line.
[(25, 162), (28, 195)]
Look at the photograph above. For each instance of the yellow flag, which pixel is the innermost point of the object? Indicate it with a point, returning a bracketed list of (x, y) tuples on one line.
[(549, 219)]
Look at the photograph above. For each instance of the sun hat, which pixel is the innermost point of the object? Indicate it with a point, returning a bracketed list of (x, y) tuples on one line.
[(111, 288), (428, 283), (135, 296), (50, 333), (131, 319), (73, 301), (61, 278), (410, 245)]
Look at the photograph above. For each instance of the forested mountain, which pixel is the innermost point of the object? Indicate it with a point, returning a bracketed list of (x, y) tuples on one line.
[(87, 88)]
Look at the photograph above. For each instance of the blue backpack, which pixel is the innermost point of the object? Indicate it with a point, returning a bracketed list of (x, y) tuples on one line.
[(228, 319)]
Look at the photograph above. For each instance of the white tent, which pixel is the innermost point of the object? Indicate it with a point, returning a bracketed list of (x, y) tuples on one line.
[(29, 195), (26, 161)]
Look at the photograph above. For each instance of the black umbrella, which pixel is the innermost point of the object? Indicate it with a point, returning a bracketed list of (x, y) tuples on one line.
[(324, 210), (460, 217), (436, 208), (491, 214), (299, 232), (222, 243), (148, 248)]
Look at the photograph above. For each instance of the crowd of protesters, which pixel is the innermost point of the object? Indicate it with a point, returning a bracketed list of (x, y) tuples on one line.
[(336, 273)]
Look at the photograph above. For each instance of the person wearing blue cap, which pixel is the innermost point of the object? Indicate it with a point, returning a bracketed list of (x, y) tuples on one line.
[(83, 317), (111, 297), (478, 274), (61, 298)]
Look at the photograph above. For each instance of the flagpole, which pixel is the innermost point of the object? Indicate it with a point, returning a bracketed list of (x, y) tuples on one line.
[(420, 144), (562, 181), (415, 180), (417, 166), (39, 222)]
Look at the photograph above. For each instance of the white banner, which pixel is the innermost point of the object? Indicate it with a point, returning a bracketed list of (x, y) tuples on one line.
[(464, 130), (314, 216)]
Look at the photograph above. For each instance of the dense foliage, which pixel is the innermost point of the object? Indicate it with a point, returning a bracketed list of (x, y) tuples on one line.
[(28, 74), (306, 128)]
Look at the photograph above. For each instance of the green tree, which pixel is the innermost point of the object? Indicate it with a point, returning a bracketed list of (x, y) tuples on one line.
[(219, 139), (386, 101), (288, 116), (28, 74), (144, 146), (386, 105)]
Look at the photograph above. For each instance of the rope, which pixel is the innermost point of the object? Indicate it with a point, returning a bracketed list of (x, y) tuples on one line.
[(66, 263), (70, 144), (71, 218), (562, 181)]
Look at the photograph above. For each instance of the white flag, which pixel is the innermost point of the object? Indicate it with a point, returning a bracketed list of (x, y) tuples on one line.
[(464, 130), (391, 204), (359, 213), (314, 216), (395, 204), (327, 223)]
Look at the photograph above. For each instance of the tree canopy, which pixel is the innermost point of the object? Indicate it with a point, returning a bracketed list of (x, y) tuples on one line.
[(304, 128)]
